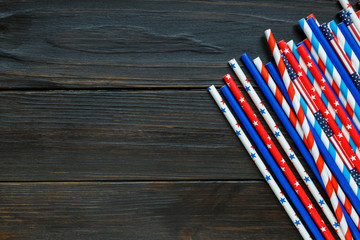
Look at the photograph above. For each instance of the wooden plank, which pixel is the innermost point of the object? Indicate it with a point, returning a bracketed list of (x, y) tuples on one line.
[(142, 210), (139, 44), (128, 135)]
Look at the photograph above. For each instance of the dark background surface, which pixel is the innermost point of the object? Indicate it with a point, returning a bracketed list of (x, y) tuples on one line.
[(107, 128)]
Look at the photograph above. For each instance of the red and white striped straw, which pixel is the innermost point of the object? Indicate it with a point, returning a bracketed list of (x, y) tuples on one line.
[(259, 163)]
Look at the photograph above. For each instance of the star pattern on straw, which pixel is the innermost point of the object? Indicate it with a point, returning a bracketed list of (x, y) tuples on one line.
[(321, 202), (262, 111), (238, 132), (253, 155), (307, 179), (310, 206), (223, 110), (247, 88), (323, 229), (348, 127), (232, 65), (282, 200), (326, 31), (345, 18), (297, 222), (277, 134), (242, 99), (268, 178), (340, 135)]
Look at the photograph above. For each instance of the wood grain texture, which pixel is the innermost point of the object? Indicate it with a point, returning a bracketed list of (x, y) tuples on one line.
[(122, 135), (137, 44), (148, 210)]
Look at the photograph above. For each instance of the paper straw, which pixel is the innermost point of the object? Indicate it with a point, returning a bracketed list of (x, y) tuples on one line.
[(341, 55), (266, 174), (350, 85), (309, 107), (340, 112), (345, 45), (300, 108), (317, 107), (333, 104), (350, 11), (313, 147), (279, 136), (331, 74)]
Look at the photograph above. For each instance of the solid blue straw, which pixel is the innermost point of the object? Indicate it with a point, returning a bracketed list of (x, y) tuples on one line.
[(271, 162), (334, 59), (299, 143)]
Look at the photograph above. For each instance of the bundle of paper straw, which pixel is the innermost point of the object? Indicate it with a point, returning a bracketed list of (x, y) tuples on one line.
[(314, 89)]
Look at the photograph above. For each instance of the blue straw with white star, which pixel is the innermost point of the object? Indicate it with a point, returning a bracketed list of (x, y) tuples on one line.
[(260, 164)]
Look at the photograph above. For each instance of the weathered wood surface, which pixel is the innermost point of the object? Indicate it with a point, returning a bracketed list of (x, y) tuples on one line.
[(134, 44), (108, 132), (142, 210)]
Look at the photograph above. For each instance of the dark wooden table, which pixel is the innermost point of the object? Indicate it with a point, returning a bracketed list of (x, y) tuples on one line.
[(107, 128)]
